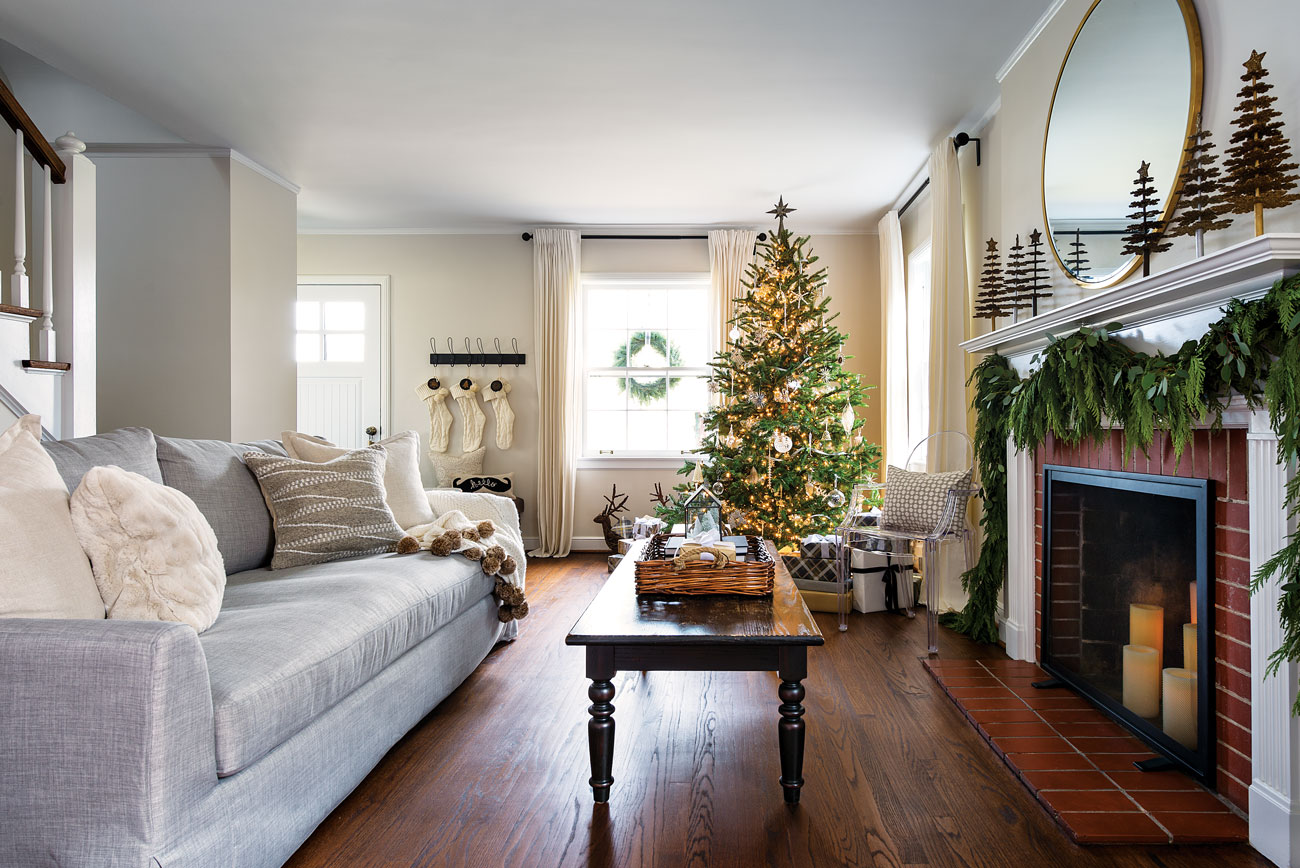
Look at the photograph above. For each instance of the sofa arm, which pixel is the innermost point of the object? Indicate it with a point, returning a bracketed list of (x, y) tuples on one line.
[(106, 739)]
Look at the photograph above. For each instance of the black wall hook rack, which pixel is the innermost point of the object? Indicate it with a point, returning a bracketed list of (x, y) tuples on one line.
[(453, 358)]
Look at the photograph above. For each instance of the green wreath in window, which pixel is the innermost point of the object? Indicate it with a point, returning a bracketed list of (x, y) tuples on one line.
[(648, 391)]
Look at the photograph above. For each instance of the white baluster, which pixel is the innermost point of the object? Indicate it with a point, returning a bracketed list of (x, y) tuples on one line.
[(45, 340), (18, 284)]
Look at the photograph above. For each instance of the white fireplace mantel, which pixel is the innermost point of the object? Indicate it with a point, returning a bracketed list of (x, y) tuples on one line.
[(1160, 312), (1199, 287)]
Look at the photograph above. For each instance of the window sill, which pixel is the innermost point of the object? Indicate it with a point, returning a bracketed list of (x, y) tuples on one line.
[(632, 462)]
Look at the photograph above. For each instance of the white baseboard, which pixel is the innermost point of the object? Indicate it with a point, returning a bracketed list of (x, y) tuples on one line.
[(1274, 827), (579, 544)]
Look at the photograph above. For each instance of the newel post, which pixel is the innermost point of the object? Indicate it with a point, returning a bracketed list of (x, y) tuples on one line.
[(74, 285)]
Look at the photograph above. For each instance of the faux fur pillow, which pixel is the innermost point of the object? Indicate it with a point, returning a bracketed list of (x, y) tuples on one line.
[(153, 553), (403, 488)]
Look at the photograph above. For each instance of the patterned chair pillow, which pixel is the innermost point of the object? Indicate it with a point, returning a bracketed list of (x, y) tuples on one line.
[(326, 511), (914, 502)]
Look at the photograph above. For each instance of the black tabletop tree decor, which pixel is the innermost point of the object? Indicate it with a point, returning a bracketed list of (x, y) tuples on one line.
[(1201, 207), (1146, 231), (1037, 282), (1259, 171), (992, 302), (1013, 278), (1076, 261)]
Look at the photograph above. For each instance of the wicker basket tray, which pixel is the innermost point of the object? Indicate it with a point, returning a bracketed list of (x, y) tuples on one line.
[(753, 577)]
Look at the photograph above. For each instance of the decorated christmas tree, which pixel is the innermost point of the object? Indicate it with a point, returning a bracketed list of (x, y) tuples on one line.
[(1200, 203), (1260, 173), (784, 446), (1145, 232)]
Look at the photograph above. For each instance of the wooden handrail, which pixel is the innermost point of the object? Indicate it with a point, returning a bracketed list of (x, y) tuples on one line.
[(40, 149)]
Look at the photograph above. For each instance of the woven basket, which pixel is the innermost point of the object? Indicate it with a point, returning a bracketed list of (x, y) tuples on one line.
[(655, 573)]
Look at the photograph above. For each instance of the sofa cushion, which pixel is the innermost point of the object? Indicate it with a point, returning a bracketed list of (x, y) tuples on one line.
[(213, 474), (291, 643), (133, 449)]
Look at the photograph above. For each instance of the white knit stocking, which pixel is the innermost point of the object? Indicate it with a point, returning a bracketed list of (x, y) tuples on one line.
[(439, 416), (471, 435), (497, 397)]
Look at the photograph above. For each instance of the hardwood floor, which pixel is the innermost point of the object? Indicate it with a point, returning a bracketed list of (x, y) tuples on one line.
[(497, 774)]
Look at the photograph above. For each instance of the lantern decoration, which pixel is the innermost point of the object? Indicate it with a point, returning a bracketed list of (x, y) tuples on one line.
[(702, 512)]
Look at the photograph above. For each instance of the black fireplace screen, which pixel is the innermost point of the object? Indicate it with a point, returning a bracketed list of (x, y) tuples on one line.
[(1126, 610)]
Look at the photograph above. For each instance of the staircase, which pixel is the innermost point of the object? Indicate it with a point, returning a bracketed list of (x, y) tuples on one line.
[(53, 190)]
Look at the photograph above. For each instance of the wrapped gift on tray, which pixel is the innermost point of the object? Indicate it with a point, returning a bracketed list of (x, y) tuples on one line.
[(820, 546), (646, 526)]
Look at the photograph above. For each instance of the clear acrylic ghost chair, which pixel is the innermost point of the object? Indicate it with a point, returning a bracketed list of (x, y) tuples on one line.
[(899, 546)]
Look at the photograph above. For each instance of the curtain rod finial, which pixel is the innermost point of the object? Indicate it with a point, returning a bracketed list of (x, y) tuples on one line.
[(527, 236)]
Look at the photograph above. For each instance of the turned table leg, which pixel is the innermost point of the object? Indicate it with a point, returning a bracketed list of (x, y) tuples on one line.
[(600, 729), (790, 731)]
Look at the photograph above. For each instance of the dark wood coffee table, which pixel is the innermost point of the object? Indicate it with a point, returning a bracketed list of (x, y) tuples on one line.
[(695, 634)]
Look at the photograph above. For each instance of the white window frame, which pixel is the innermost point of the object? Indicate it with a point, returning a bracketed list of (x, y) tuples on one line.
[(918, 273), (630, 459)]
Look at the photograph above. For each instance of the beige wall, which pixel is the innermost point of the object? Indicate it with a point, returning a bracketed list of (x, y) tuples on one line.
[(481, 286), (440, 286), (164, 294), (1230, 30), (263, 287)]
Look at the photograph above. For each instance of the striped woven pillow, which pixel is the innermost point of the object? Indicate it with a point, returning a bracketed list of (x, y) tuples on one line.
[(326, 511)]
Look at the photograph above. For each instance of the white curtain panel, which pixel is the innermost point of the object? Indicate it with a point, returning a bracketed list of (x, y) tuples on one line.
[(949, 324), (730, 252), (893, 291), (556, 270)]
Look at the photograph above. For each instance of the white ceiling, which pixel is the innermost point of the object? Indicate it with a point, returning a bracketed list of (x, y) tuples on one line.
[(499, 114)]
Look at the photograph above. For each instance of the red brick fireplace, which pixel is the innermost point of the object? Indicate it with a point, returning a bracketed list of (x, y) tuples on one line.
[(1220, 456)]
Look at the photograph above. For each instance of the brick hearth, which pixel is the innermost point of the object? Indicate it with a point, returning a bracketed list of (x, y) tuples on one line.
[(1220, 456)]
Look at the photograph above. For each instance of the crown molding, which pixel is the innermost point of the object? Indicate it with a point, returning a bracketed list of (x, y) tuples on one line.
[(586, 227), (169, 149), (1034, 33)]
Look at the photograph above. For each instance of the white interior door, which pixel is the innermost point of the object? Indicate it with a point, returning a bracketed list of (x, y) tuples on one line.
[(341, 344)]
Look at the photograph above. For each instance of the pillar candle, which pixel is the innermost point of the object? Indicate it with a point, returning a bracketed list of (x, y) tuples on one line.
[(1180, 706), (1191, 587), (1189, 647), (1146, 626), (1142, 680)]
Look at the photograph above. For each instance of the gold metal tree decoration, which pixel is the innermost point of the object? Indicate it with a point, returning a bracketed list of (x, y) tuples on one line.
[(1260, 174), (1200, 201), (1147, 229)]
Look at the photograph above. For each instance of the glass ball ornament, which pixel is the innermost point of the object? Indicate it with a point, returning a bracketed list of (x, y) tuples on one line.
[(718, 488), (835, 499), (781, 442), (734, 334)]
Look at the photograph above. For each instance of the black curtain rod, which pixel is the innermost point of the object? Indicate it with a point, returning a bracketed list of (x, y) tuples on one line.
[(528, 236), (959, 141)]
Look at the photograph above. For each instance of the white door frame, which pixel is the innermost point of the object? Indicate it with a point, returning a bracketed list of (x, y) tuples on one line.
[(385, 352)]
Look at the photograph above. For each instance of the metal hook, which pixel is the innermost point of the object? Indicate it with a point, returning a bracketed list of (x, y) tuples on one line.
[(482, 355), (469, 354), (451, 347), (496, 342), (514, 342), (433, 345)]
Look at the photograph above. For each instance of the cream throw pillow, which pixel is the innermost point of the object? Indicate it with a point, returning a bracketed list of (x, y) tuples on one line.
[(43, 571), (154, 555), (403, 488)]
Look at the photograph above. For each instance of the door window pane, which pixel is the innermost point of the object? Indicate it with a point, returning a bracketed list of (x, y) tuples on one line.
[(345, 348), (345, 315), (308, 316), (308, 347)]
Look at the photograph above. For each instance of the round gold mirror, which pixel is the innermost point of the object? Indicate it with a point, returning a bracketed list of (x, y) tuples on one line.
[(1128, 93)]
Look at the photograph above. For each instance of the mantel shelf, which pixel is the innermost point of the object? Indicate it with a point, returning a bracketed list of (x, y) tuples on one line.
[(1246, 270)]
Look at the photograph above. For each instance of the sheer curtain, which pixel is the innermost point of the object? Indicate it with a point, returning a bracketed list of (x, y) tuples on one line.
[(893, 291), (949, 306), (730, 252), (949, 326), (556, 276)]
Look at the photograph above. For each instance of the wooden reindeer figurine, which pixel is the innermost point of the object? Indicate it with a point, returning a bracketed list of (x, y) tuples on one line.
[(614, 504)]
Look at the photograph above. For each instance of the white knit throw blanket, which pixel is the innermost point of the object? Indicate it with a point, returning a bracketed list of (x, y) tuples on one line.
[(499, 510)]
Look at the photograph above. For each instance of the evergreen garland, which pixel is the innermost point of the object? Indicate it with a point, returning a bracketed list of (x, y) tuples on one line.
[(1087, 382)]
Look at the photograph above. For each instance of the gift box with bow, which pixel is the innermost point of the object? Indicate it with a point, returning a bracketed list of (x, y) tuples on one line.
[(819, 546)]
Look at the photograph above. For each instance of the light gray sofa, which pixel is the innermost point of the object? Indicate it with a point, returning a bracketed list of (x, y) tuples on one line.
[(140, 743)]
